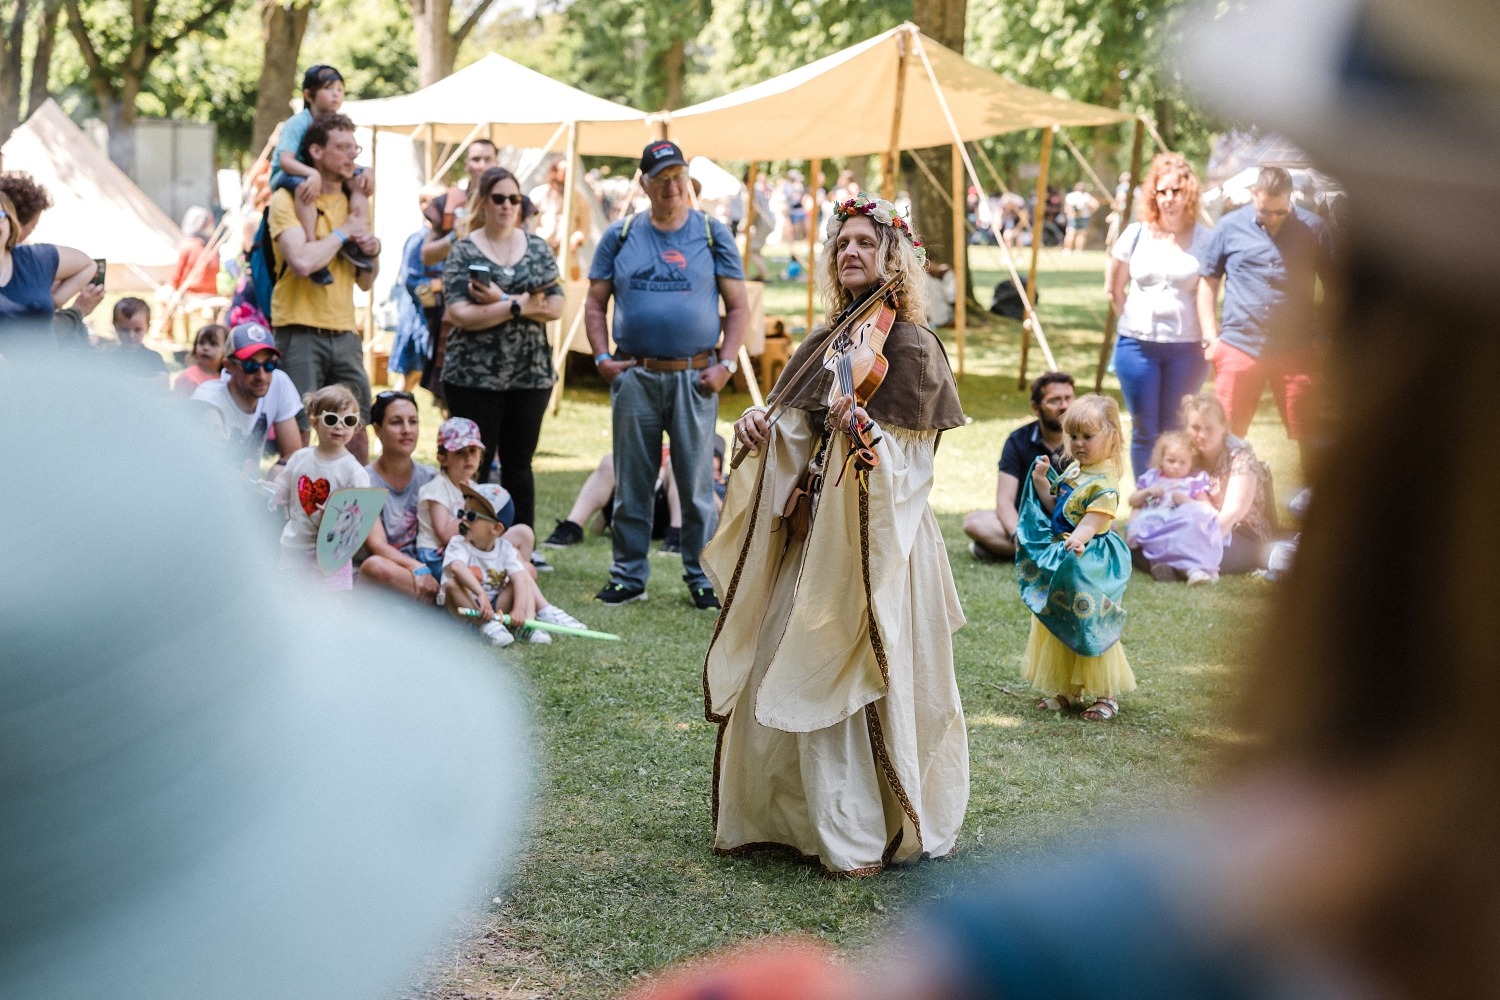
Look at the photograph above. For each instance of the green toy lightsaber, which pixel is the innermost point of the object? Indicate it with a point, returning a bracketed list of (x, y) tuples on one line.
[(582, 633)]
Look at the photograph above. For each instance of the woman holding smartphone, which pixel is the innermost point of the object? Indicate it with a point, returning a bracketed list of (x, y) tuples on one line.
[(501, 286), (35, 278)]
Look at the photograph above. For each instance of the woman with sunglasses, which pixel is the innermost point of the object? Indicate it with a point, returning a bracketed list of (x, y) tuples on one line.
[(392, 561), (1152, 278), (501, 286)]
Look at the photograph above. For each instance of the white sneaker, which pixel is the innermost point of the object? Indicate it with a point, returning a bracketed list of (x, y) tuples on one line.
[(554, 615), (536, 636), (1198, 577), (496, 632)]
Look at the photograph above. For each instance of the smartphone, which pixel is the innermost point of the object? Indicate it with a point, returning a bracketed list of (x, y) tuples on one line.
[(98, 279), (479, 274)]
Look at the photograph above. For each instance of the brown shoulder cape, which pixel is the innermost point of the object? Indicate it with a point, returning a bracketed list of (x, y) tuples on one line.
[(918, 393)]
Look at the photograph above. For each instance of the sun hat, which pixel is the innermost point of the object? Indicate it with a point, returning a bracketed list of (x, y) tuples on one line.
[(204, 797), (1395, 98), (247, 340), (495, 500), (458, 433)]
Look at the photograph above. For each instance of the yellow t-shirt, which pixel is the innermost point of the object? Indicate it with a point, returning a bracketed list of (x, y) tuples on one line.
[(299, 300)]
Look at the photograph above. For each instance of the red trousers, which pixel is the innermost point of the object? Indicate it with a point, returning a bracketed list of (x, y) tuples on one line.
[(1240, 380)]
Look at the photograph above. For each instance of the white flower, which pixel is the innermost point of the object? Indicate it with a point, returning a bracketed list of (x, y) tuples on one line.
[(882, 213)]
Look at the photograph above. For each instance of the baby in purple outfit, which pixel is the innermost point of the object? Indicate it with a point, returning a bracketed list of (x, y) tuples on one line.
[(1173, 524)]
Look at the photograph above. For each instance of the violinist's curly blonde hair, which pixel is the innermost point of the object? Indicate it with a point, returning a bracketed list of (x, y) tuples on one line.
[(894, 256)]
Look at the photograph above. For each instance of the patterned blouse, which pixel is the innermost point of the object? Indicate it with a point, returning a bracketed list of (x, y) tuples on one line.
[(1238, 459), (513, 354)]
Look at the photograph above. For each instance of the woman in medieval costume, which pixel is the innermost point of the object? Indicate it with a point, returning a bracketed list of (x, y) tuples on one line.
[(830, 672)]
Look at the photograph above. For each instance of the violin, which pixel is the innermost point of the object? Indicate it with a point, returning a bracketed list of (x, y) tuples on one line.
[(859, 367), (854, 335)]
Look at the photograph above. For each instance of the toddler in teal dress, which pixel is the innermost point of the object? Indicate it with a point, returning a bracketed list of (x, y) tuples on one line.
[(1073, 570)]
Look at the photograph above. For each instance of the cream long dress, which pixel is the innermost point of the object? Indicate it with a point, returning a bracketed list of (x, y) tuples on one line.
[(831, 667)]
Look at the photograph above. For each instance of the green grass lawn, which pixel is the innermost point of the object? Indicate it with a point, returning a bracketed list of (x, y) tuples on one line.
[(618, 877)]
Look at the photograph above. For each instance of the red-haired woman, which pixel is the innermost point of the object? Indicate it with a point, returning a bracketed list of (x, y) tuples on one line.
[(1152, 278)]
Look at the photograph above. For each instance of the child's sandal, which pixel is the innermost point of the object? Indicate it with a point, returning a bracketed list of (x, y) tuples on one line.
[(1101, 710), (1054, 703)]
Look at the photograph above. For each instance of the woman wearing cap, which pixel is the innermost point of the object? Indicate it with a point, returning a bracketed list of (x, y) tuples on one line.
[(830, 673), (501, 286)]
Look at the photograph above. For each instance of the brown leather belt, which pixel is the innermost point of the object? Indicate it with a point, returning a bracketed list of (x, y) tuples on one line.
[(695, 362)]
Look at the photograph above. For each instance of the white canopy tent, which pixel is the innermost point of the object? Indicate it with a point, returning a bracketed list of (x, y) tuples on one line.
[(499, 100), (95, 206)]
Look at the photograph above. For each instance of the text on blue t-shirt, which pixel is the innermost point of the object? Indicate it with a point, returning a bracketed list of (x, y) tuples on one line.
[(666, 284)]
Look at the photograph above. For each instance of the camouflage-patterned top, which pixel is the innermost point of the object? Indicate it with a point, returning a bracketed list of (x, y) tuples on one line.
[(514, 354)]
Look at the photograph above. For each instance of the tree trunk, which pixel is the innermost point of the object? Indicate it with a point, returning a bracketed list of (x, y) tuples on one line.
[(282, 28), (943, 22), (119, 119), (673, 61), (11, 40), (41, 59), (435, 45), (1165, 123)]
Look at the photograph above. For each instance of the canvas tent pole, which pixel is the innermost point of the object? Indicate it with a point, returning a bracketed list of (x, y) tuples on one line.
[(1035, 323), (814, 168), (1038, 235), (893, 151), (429, 152), (1113, 319), (216, 240), (1098, 184), (565, 246), (960, 255), (457, 151), (749, 222), (994, 174)]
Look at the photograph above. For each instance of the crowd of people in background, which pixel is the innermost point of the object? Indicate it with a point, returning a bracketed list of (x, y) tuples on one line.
[(482, 278)]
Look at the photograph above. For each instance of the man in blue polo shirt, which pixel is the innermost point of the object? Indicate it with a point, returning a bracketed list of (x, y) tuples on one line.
[(666, 271), (1271, 253), (993, 532)]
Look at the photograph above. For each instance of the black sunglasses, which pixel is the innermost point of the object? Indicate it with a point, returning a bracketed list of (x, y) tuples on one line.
[(473, 515), (396, 394), (251, 367), (505, 199), (330, 419)]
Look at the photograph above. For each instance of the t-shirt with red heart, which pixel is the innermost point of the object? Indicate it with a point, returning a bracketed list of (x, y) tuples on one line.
[(305, 484)]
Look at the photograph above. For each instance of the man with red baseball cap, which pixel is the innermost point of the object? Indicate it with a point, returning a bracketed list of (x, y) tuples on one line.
[(254, 396)]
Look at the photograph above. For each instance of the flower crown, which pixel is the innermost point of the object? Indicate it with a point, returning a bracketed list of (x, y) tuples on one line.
[(882, 212)]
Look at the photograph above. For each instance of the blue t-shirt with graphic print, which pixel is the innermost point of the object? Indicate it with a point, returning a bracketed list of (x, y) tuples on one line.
[(666, 284)]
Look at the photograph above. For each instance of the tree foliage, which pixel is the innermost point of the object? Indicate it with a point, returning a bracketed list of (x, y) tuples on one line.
[(645, 54), (119, 42)]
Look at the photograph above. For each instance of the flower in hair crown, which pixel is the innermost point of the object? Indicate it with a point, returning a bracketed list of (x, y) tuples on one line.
[(882, 212)]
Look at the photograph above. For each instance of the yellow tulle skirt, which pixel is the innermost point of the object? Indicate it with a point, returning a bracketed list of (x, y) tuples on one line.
[(1053, 668)]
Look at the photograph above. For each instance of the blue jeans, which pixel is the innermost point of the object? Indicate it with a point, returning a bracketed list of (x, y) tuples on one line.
[(1154, 378), (644, 405)]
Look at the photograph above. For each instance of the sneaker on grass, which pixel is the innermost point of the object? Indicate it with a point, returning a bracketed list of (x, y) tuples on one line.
[(983, 554), (536, 636), (615, 594), (554, 615), (541, 563), (704, 599), (566, 533), (496, 632)]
